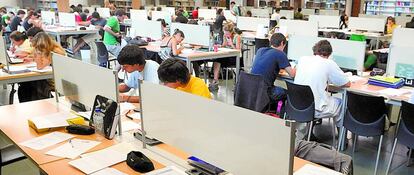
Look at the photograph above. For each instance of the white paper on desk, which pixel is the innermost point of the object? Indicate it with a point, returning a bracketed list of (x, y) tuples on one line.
[(53, 120), (354, 78), (109, 171), (46, 140), (315, 170), (125, 107), (98, 160), (86, 114), (46, 69), (225, 49), (75, 148), (169, 170), (130, 125), (135, 115), (393, 92)]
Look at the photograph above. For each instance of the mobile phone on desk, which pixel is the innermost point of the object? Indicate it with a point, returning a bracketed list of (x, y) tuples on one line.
[(198, 163)]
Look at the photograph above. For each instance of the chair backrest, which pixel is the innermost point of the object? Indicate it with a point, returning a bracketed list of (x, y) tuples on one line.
[(272, 23), (407, 115), (365, 108), (103, 55), (259, 43), (251, 92), (300, 102)]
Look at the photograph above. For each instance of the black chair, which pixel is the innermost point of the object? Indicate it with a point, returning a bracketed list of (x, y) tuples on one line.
[(365, 116), (272, 24), (259, 43), (103, 55), (10, 154), (405, 132), (251, 92)]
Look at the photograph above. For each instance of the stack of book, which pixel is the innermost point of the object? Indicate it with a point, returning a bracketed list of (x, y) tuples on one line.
[(389, 82)]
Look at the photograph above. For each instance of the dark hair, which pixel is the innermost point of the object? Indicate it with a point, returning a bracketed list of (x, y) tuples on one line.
[(412, 19), (21, 12), (159, 8), (162, 22), (119, 12), (141, 7), (173, 70), (232, 2), (3, 11), (192, 21), (218, 12), (238, 31), (178, 31), (277, 9), (96, 15), (86, 11), (31, 32), (283, 17), (299, 9), (79, 5), (131, 54), (77, 9), (18, 36), (391, 18), (277, 39), (13, 13), (249, 13), (197, 8), (323, 48)]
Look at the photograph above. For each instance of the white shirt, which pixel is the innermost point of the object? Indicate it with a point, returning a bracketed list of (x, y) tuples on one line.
[(149, 74), (317, 72), (275, 16)]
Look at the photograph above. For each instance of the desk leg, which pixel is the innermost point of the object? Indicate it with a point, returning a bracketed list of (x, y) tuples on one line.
[(377, 44), (342, 133), (12, 92), (237, 67), (189, 66), (58, 38)]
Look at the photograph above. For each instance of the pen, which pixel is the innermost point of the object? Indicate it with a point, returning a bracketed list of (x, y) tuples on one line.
[(70, 141)]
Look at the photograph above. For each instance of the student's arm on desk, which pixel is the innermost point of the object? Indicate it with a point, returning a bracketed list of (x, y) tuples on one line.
[(175, 51)]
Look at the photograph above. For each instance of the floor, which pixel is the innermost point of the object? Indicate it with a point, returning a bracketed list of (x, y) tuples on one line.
[(364, 156)]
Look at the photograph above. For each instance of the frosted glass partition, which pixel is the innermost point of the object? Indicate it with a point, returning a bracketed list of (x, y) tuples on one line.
[(238, 140), (67, 19), (250, 23), (347, 54), (194, 34), (90, 80), (369, 24), (287, 13), (152, 29), (207, 13), (402, 20), (372, 16), (403, 37), (325, 21), (329, 12), (48, 17), (3, 59), (400, 62), (297, 27), (230, 16), (170, 10), (161, 15), (308, 11), (103, 12), (138, 15), (260, 13)]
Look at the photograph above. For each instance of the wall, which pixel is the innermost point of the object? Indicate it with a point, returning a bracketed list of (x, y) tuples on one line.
[(10, 3)]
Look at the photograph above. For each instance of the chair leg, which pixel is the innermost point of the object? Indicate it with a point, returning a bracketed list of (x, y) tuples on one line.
[(378, 155), (354, 144), (392, 155), (333, 133), (408, 158), (341, 136), (310, 130), (227, 79)]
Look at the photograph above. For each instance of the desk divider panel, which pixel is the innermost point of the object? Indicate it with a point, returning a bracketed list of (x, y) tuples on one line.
[(170, 10), (67, 19), (287, 13), (161, 15), (207, 13), (308, 11), (103, 12), (347, 54), (402, 20), (361, 15), (235, 139), (251, 23), (369, 24), (325, 21), (260, 13), (90, 80), (145, 28), (400, 61), (230, 16), (194, 34), (48, 17), (138, 15), (297, 27), (329, 12), (3, 52), (403, 37)]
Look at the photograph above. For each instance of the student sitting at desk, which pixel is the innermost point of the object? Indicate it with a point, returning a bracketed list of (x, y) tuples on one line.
[(169, 45), (298, 14), (181, 18), (410, 24), (390, 25), (232, 39), (17, 20), (165, 29), (276, 16), (132, 60), (32, 19), (32, 32), (316, 71), (112, 33), (44, 46), (174, 73), (21, 47), (269, 61)]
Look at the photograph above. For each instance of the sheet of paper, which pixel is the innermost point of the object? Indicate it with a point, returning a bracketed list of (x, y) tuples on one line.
[(73, 148), (109, 171), (315, 170), (123, 148), (130, 125), (125, 107), (355, 78), (53, 120), (169, 170), (393, 92), (135, 115), (46, 140), (86, 114), (46, 69)]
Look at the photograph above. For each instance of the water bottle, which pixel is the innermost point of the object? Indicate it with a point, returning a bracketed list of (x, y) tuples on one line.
[(98, 120)]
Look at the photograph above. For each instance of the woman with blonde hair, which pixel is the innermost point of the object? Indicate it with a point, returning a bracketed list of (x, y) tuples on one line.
[(44, 46)]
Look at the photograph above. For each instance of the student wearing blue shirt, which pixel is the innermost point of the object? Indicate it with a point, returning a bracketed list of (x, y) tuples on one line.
[(132, 60), (269, 61)]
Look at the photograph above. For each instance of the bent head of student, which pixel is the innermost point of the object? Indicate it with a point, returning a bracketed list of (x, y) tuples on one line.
[(132, 58), (178, 35), (173, 73), (121, 15), (17, 38), (21, 14), (390, 20), (322, 48), (278, 41), (30, 33), (220, 12)]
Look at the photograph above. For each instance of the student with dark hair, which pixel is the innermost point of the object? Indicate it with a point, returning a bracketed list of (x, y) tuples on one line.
[(390, 25), (269, 61), (112, 33), (33, 31), (97, 21), (32, 19), (21, 47), (249, 13), (165, 28), (218, 24), (298, 14), (159, 8), (235, 10), (3, 15), (85, 15), (276, 16), (410, 24), (316, 71), (181, 18), (133, 61), (169, 45), (175, 74), (17, 20)]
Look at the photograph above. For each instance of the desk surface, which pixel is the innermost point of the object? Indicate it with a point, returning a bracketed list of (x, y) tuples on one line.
[(20, 131), (199, 54), (23, 77), (362, 86), (69, 30)]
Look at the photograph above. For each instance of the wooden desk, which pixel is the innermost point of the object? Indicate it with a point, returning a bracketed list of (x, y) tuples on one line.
[(6, 78)]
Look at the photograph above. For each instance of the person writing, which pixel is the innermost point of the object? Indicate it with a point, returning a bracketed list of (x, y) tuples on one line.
[(169, 45)]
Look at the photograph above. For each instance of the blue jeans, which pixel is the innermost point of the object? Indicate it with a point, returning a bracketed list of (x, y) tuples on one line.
[(277, 93)]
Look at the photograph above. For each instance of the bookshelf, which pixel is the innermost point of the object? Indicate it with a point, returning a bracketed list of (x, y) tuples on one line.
[(51, 5), (389, 7), (125, 5), (326, 4)]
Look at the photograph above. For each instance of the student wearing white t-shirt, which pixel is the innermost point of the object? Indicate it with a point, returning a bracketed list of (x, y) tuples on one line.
[(276, 16), (132, 60), (317, 71)]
